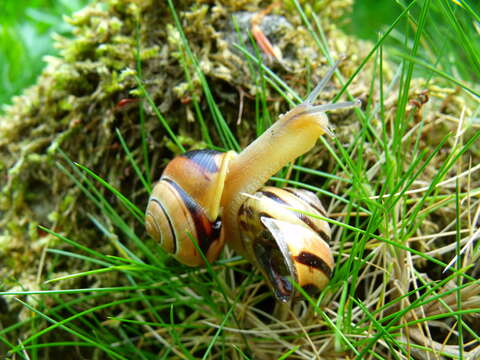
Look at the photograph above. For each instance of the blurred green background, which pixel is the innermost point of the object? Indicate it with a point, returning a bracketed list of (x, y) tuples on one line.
[(26, 28), (450, 43)]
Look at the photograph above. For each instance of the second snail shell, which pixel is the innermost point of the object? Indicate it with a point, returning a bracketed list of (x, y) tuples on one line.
[(287, 244)]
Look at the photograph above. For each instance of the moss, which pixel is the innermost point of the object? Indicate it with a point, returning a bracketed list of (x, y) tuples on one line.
[(73, 105)]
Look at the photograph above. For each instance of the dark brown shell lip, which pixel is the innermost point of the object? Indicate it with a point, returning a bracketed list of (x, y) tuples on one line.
[(271, 260)]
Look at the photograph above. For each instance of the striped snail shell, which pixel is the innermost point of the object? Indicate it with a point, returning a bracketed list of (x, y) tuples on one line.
[(185, 205), (287, 245)]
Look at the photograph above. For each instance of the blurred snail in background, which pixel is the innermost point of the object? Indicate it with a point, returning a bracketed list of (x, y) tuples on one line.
[(215, 197)]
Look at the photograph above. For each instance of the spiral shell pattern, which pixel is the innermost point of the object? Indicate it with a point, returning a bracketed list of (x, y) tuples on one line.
[(185, 203)]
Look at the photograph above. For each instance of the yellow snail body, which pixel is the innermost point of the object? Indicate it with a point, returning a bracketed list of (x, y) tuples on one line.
[(200, 195)]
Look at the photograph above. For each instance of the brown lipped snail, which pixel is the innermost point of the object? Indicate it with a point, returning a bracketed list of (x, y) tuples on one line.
[(208, 196)]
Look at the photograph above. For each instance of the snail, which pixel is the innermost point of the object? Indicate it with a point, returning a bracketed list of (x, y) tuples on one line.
[(202, 195)]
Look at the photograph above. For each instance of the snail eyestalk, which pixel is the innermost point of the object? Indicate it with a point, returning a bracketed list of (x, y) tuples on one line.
[(316, 91)]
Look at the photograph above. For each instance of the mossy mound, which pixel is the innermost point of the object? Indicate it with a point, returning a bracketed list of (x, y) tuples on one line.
[(77, 105)]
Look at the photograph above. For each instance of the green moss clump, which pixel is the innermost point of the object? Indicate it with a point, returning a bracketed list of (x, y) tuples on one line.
[(74, 105)]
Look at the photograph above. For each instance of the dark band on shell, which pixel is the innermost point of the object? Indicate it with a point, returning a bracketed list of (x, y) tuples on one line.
[(204, 159), (298, 214), (206, 232), (311, 289), (313, 261), (309, 198)]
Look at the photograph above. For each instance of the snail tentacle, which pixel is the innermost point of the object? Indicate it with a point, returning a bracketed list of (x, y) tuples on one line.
[(318, 89), (336, 106)]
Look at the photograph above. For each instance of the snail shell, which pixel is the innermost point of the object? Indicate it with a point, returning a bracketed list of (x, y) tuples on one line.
[(287, 245), (185, 205)]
